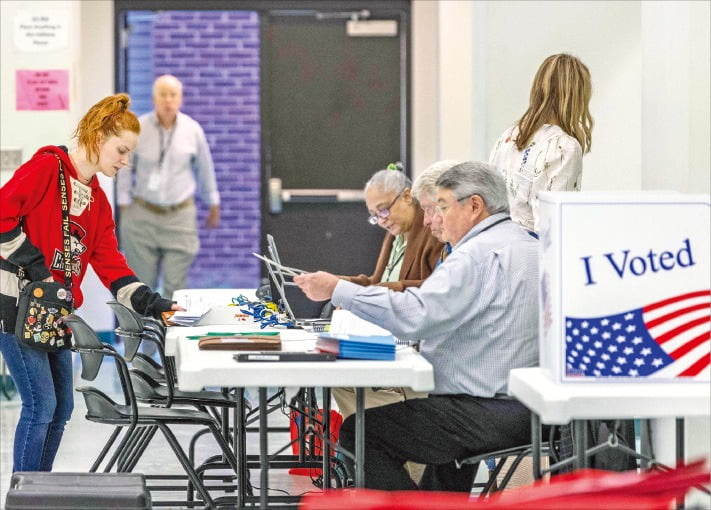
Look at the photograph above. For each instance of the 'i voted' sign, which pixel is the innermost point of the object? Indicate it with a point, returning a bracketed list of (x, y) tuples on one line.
[(625, 286)]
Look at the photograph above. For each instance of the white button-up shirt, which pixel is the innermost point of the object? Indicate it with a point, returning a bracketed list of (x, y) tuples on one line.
[(553, 161)]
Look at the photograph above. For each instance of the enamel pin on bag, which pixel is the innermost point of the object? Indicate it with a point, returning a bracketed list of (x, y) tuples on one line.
[(41, 305)]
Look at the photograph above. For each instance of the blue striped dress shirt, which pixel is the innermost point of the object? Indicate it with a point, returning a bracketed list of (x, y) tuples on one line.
[(476, 314)]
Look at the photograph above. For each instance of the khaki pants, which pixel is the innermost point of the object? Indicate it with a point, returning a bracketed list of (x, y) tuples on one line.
[(156, 244), (346, 401)]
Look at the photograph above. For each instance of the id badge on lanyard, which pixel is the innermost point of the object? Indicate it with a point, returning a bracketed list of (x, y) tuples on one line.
[(81, 196), (154, 179)]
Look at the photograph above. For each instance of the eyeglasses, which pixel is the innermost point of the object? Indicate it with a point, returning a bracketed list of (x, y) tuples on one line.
[(384, 214), (441, 209)]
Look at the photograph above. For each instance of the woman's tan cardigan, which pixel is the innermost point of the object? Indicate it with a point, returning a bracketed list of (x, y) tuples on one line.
[(421, 255)]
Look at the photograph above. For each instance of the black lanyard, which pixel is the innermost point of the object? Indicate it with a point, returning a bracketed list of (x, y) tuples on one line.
[(494, 224), (164, 148), (65, 226)]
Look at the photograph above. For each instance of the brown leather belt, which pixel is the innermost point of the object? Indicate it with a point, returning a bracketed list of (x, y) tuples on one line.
[(163, 209)]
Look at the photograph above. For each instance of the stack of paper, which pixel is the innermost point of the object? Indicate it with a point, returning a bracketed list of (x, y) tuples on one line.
[(344, 321), (213, 316), (182, 319), (376, 347)]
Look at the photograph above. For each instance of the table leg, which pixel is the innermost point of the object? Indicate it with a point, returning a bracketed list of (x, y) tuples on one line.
[(240, 445), (360, 438), (536, 445), (303, 410), (679, 441), (645, 441), (263, 457), (680, 454), (580, 430), (326, 437)]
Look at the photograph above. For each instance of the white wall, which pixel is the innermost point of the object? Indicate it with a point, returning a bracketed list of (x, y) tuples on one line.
[(30, 130), (425, 72), (649, 63), (521, 35), (89, 58), (675, 96), (95, 71)]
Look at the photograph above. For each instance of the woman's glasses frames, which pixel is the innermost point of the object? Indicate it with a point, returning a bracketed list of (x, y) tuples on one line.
[(384, 214)]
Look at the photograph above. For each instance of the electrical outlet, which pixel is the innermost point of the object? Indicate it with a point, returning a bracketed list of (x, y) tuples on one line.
[(10, 158)]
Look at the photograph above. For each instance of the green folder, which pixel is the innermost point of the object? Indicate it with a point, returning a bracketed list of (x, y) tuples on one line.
[(232, 333)]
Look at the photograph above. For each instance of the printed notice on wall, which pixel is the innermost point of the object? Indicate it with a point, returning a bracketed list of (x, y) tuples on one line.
[(41, 30), (42, 90)]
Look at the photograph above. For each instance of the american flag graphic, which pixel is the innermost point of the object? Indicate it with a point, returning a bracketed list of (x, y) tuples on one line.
[(667, 339)]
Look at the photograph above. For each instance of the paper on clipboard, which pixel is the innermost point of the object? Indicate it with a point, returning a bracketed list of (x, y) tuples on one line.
[(290, 271)]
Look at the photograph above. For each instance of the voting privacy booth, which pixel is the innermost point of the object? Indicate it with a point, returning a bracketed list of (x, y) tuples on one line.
[(624, 287)]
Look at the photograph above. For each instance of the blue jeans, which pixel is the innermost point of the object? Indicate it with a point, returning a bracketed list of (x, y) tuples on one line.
[(44, 382)]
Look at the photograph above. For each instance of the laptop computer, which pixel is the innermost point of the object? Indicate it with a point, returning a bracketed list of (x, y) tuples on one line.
[(293, 301)]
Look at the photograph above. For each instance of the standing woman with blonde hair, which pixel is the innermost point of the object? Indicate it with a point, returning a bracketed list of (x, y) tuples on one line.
[(56, 194), (544, 150)]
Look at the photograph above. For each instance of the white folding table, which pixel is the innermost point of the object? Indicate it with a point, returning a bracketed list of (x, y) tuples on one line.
[(198, 369), (560, 403)]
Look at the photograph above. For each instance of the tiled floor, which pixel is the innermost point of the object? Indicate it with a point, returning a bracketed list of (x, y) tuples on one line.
[(83, 441)]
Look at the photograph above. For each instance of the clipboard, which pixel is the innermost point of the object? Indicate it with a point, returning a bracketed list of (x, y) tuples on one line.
[(240, 343)]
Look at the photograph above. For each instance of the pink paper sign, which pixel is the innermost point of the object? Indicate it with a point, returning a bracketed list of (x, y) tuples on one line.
[(42, 90)]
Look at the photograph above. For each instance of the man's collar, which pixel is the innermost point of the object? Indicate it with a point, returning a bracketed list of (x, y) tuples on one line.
[(156, 121), (487, 222)]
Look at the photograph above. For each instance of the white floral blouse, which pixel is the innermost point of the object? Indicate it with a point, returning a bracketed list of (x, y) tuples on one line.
[(552, 161)]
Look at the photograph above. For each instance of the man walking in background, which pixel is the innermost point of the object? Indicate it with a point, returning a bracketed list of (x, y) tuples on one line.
[(158, 224)]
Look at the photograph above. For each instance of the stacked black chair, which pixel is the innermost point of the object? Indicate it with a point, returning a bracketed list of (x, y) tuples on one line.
[(129, 415), (155, 383)]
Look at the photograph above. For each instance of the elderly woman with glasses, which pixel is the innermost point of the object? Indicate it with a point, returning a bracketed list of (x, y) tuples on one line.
[(409, 252), (408, 255)]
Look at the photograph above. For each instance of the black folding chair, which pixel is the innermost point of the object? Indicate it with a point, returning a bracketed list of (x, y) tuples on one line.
[(129, 415), (516, 453)]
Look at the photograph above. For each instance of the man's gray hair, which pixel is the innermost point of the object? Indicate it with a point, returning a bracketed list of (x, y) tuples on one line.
[(393, 181), (475, 178), (425, 184)]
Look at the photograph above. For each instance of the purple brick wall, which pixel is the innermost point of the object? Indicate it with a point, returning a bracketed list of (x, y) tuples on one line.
[(216, 56)]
